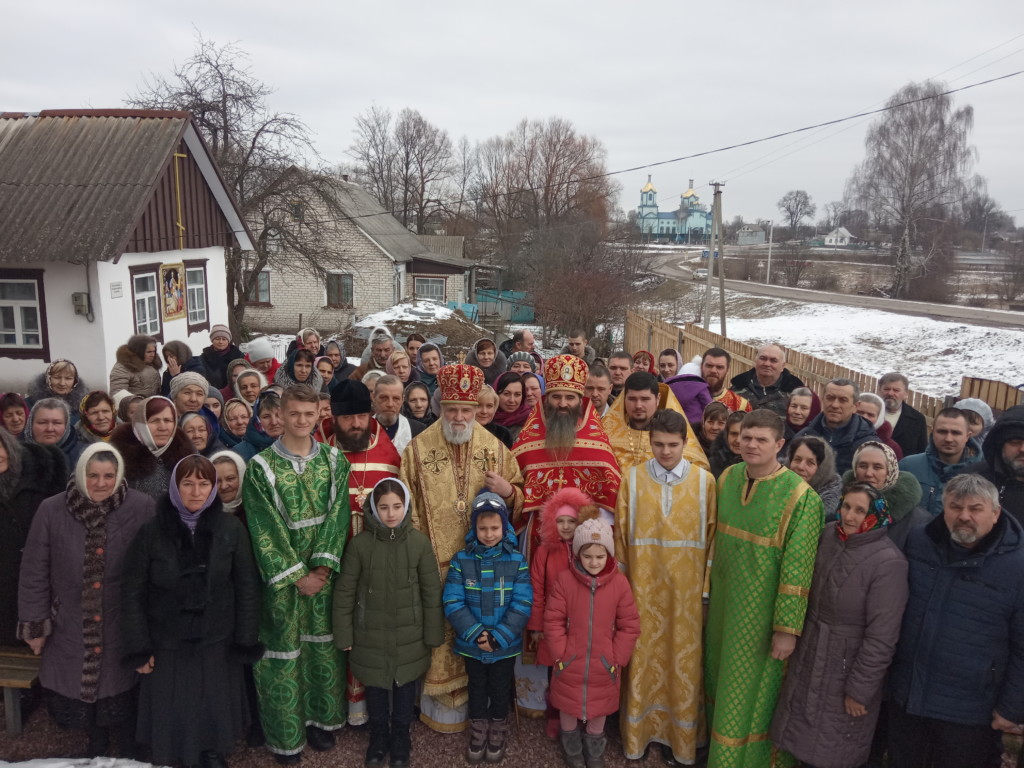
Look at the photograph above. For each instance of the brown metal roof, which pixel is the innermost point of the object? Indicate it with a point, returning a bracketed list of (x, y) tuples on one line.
[(75, 183)]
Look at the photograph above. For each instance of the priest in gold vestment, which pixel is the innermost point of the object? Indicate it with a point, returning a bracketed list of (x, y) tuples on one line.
[(664, 535), (444, 467), (628, 418)]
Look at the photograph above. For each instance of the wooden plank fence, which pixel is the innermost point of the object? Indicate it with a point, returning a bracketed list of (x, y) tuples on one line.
[(691, 340), (996, 393)]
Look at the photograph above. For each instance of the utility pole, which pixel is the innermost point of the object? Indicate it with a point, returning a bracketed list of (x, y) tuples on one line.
[(711, 271), (771, 235), (717, 245)]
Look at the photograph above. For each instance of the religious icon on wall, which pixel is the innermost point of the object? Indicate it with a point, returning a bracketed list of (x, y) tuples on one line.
[(172, 289)]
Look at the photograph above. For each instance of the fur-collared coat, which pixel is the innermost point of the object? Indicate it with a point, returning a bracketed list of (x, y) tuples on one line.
[(144, 471), (38, 390), (133, 374)]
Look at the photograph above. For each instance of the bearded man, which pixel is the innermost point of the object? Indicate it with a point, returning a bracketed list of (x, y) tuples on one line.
[(444, 468), (373, 458), (629, 418)]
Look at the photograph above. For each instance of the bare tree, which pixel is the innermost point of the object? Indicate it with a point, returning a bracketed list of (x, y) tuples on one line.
[(832, 215), (980, 212), (918, 159), (259, 153), (374, 154), (796, 205)]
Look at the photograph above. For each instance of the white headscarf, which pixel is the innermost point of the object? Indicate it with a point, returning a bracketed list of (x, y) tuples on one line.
[(140, 427), (239, 463)]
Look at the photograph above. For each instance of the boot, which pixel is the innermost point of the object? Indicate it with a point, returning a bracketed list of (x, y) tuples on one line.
[(477, 741), (593, 750), (496, 740), (401, 747), (377, 752), (572, 748)]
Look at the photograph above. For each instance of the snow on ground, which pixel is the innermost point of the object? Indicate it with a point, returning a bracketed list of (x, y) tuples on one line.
[(67, 762), (413, 311), (934, 354)]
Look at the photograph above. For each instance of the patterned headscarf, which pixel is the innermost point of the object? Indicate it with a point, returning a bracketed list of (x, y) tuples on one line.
[(878, 510), (892, 464)]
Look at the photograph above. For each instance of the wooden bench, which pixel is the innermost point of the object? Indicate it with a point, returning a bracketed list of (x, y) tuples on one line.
[(18, 671)]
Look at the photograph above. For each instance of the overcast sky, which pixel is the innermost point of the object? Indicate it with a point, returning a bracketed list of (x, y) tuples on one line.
[(653, 80)]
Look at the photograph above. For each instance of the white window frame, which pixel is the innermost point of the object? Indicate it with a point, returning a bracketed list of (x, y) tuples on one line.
[(153, 326), (431, 297), (18, 305), (195, 297)]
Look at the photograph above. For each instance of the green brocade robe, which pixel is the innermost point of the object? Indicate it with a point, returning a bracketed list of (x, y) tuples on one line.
[(298, 515), (765, 545)]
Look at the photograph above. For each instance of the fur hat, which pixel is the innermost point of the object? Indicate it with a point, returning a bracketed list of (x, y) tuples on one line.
[(567, 501), (220, 330), (350, 397), (186, 378), (593, 532), (259, 349)]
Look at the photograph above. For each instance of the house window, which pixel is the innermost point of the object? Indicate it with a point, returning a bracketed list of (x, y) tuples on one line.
[(260, 294), (22, 314), (432, 288), (197, 299), (339, 290), (146, 300)]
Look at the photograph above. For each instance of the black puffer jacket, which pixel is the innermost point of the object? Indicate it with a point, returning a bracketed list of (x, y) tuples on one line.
[(774, 398), (1009, 426), (215, 364), (180, 588), (844, 440)]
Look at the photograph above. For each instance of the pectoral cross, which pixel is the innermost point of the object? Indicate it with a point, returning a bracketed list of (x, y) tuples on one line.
[(561, 479)]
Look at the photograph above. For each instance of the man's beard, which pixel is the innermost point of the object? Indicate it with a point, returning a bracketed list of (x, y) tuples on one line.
[(892, 405), (355, 441), (964, 535), (386, 419), (715, 385), (638, 424), (453, 437), (561, 430)]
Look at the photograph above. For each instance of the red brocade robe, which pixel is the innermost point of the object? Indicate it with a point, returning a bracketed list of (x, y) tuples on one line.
[(591, 465)]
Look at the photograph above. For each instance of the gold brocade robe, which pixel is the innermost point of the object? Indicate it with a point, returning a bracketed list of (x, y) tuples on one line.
[(664, 539), (633, 446), (443, 479)]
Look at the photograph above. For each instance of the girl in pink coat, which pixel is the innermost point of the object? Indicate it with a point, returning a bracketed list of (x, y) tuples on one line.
[(591, 626)]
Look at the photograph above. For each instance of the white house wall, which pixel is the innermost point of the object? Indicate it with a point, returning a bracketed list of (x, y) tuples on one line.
[(92, 345)]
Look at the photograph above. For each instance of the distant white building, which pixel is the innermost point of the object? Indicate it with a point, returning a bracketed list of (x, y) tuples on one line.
[(839, 236), (750, 234)]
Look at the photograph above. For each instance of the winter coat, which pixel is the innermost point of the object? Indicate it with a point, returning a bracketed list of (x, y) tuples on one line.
[(144, 471), (216, 364), (844, 440), (830, 492), (884, 433), (255, 441), (43, 473), (553, 556), (1011, 488), (285, 376), (51, 589), (37, 390), (506, 348), (933, 474), (591, 626), (692, 393), (192, 365), (387, 604), (721, 456), (858, 594), (904, 508), (133, 374), (183, 588), (911, 431), (960, 656), (774, 398), (502, 433), (488, 588), (589, 355), (495, 369)]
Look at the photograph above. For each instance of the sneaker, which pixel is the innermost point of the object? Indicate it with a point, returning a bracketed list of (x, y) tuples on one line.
[(477, 741), (496, 735)]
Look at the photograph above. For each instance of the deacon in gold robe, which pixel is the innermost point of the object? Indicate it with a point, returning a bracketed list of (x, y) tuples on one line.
[(664, 536), (444, 467), (629, 417)]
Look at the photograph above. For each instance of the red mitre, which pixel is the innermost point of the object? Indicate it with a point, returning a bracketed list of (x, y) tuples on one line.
[(565, 373), (460, 383)]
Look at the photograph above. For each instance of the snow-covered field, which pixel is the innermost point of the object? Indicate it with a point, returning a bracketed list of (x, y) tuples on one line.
[(66, 762), (933, 354)]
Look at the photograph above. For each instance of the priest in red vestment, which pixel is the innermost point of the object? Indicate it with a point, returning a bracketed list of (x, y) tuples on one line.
[(373, 457)]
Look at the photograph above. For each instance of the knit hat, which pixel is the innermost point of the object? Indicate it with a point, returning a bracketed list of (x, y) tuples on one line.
[(566, 373), (259, 349), (979, 407), (350, 397), (184, 379), (488, 502), (220, 330), (522, 357), (692, 368), (593, 532), (213, 392)]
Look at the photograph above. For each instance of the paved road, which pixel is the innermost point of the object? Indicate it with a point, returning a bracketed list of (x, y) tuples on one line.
[(674, 265)]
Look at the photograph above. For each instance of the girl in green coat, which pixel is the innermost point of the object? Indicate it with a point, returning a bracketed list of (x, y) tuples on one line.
[(387, 614)]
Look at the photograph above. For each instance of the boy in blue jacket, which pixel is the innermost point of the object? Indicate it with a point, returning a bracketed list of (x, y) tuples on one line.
[(487, 599)]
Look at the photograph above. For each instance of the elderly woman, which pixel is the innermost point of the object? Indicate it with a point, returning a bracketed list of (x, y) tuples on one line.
[(872, 408), (308, 339), (59, 380), (812, 458), (875, 464), (264, 428), (49, 423), (97, 418), (326, 369), (832, 693), (416, 404), (188, 391), (151, 445), (249, 384), (234, 368), (521, 362), (14, 414), (221, 353), (28, 475), (126, 404), (533, 389), (343, 369), (137, 369), (400, 365), (69, 598), (203, 431), (234, 420), (190, 621), (299, 369), (180, 359)]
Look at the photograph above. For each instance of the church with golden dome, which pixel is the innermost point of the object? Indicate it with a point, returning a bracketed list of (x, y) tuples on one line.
[(691, 223)]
